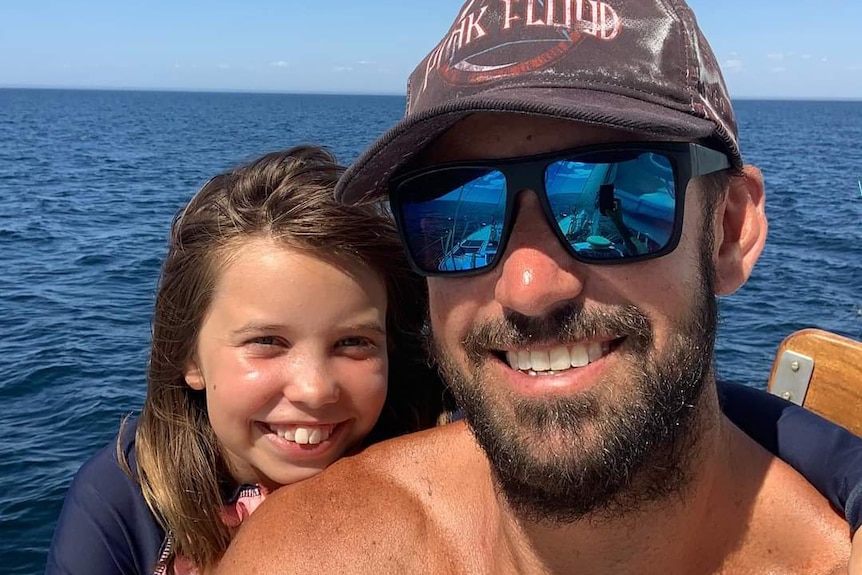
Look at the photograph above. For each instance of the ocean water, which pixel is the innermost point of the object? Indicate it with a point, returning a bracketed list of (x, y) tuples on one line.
[(89, 182)]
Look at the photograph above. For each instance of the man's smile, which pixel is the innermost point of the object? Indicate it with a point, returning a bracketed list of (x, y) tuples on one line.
[(561, 358)]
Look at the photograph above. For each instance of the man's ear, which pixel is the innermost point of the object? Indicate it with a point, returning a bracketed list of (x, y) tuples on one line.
[(193, 376), (740, 230)]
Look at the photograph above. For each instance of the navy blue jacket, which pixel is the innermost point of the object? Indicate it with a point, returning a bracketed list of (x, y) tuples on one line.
[(106, 528)]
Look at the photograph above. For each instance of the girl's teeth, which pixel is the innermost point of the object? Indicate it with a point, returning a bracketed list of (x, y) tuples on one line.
[(304, 435), (314, 436), (301, 436)]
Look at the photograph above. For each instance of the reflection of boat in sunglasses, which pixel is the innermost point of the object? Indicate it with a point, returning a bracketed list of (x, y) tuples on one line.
[(612, 213), (476, 250)]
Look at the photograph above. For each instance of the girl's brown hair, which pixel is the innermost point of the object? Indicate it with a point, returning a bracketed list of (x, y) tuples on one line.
[(286, 196)]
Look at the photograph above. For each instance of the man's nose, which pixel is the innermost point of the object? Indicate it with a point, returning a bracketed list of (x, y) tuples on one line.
[(536, 273)]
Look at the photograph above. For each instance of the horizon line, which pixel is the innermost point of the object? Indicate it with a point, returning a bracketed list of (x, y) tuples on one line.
[(194, 90), (344, 93)]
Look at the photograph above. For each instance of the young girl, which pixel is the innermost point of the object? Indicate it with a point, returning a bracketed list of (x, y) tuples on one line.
[(286, 334)]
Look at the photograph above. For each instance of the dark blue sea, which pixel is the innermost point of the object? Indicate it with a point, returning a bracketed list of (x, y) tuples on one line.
[(89, 181)]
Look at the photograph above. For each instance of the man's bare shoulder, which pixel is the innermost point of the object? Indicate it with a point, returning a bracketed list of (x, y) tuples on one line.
[(788, 524), (373, 512)]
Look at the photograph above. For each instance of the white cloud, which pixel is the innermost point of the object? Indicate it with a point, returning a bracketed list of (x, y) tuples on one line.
[(775, 56), (824, 59), (365, 63), (806, 56), (778, 70), (733, 65), (342, 69), (224, 66), (280, 64)]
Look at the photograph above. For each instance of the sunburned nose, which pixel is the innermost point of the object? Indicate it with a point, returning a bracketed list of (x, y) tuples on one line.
[(536, 274), (308, 382)]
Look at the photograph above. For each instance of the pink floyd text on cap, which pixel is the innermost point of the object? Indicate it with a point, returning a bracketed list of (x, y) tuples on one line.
[(638, 65)]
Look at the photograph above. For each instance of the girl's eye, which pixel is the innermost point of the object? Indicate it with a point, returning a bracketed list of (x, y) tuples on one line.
[(355, 342), (266, 346), (358, 348)]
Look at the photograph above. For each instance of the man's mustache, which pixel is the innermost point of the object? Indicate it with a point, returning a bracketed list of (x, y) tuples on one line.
[(567, 325)]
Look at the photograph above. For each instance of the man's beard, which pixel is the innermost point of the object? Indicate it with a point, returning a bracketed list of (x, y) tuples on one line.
[(598, 455)]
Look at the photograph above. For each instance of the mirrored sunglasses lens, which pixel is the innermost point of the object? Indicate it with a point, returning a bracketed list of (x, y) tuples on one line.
[(453, 218), (614, 210)]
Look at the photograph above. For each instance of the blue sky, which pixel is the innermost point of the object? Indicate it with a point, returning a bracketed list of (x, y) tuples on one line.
[(768, 48)]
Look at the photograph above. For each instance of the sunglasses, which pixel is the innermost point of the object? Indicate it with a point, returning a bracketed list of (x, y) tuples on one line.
[(607, 204)]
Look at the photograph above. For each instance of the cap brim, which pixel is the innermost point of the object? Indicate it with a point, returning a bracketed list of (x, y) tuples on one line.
[(367, 178)]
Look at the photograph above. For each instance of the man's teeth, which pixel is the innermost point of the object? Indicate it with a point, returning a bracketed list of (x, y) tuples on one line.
[(304, 434), (559, 358)]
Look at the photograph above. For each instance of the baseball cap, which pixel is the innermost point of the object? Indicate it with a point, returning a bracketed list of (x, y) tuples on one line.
[(637, 65)]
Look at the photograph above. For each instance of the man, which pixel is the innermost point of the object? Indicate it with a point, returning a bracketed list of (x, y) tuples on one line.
[(569, 179)]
